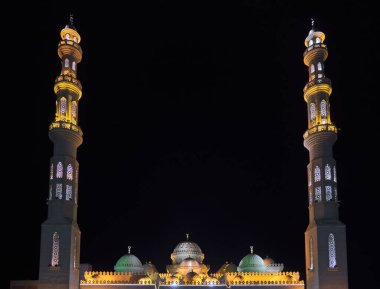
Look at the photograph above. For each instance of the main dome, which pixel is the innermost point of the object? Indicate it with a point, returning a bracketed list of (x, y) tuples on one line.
[(129, 263), (252, 263), (187, 249)]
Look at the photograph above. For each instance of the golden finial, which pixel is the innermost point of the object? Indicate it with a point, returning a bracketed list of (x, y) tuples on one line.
[(251, 249), (187, 236), (129, 249)]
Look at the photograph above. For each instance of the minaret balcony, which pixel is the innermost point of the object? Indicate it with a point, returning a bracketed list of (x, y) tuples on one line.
[(67, 82), (320, 127), (315, 81), (65, 125), (317, 85), (69, 47), (318, 50)]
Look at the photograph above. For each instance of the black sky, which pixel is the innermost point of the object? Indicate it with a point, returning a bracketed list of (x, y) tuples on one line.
[(193, 116)]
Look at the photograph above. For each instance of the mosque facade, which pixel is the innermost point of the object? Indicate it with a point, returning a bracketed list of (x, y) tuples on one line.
[(325, 239)]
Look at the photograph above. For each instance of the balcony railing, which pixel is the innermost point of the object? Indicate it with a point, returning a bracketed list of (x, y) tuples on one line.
[(71, 43), (314, 46), (69, 79), (320, 127), (65, 125), (317, 81)]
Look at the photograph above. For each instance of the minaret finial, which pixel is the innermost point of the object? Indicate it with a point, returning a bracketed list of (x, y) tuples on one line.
[(251, 249), (129, 249), (312, 23), (71, 19), (187, 236)]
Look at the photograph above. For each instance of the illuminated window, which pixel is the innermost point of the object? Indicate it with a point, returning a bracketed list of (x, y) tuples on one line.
[(311, 257), (58, 191), (59, 170), (332, 255), (328, 193), (75, 39), (67, 36), (323, 108), (73, 66), (74, 110), (318, 194), (67, 63), (319, 66), (320, 75), (51, 171), (317, 40), (69, 173), (55, 250), (69, 193), (327, 172), (312, 111), (311, 42), (50, 192), (317, 174), (312, 68), (334, 174), (63, 106)]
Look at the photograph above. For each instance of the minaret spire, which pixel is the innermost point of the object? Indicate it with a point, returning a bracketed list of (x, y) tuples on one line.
[(325, 237), (60, 234), (251, 247), (71, 19), (312, 23)]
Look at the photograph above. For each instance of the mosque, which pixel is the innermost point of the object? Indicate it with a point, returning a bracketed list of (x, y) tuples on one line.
[(325, 236)]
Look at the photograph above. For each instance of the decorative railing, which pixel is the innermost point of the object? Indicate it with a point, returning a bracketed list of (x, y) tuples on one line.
[(68, 78), (71, 43), (321, 127), (314, 46), (65, 125), (323, 80)]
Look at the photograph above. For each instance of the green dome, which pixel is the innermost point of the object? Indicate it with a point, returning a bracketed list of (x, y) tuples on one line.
[(129, 263), (252, 263)]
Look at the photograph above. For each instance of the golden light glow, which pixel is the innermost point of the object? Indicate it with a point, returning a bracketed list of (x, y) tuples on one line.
[(322, 87), (321, 127), (70, 86), (73, 33)]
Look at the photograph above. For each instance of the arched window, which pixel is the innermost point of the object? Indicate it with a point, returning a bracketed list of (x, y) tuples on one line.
[(75, 39), (319, 66), (312, 68), (63, 106), (311, 257), (327, 172), (55, 250), (317, 40), (312, 111), (73, 66), (335, 174), (67, 63), (69, 173), (67, 36), (51, 171), (311, 42), (69, 193), (317, 174), (323, 108), (328, 193), (320, 75), (332, 254), (74, 110), (59, 170), (318, 194), (58, 191)]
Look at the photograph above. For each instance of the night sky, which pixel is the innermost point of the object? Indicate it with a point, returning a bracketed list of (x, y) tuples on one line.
[(193, 116)]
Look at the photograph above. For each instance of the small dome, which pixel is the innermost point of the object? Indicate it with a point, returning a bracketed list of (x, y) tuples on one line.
[(227, 267), (268, 261), (189, 265), (129, 263), (149, 268), (185, 250), (252, 263)]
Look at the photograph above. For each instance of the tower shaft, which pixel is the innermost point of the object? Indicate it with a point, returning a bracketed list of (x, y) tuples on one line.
[(60, 234), (325, 236)]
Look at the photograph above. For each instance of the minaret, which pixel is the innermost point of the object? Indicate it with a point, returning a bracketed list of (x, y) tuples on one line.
[(60, 234), (325, 237)]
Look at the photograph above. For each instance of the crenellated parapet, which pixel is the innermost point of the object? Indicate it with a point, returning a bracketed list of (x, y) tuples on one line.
[(258, 277), (111, 277)]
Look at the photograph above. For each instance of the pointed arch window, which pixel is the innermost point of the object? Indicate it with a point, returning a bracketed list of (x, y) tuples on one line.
[(67, 63), (311, 257), (323, 109), (328, 193), (59, 170), (319, 66), (62, 107), (317, 40), (318, 194), (327, 172), (311, 42), (69, 172), (75, 39), (55, 250), (51, 171), (335, 174), (58, 191), (317, 174), (69, 193), (312, 68), (74, 110), (73, 66), (67, 36), (312, 111), (332, 253)]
